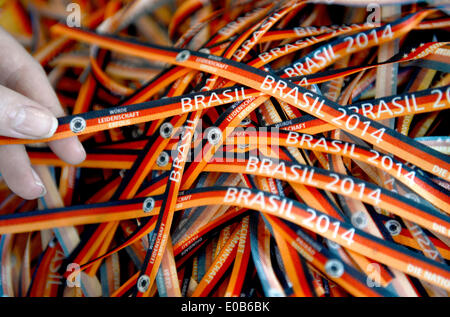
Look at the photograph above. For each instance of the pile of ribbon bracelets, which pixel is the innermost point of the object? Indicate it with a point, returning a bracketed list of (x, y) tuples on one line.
[(236, 148)]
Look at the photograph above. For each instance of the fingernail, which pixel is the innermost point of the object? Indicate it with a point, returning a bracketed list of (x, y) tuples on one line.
[(33, 122), (81, 149), (37, 181)]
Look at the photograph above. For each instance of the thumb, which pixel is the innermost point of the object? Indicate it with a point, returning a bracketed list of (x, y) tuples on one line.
[(20, 117)]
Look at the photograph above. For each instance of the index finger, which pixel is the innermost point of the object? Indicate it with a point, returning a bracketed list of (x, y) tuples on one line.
[(21, 73)]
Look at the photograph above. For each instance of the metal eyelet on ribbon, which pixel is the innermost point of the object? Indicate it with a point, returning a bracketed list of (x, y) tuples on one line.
[(334, 268), (149, 204), (143, 283), (394, 227), (214, 135), (77, 124), (359, 220), (163, 159), (183, 56), (166, 130)]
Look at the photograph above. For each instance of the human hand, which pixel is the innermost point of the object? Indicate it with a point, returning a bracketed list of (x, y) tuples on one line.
[(28, 109)]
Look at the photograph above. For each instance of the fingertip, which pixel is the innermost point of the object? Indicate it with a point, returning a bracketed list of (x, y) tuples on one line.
[(30, 191), (18, 174), (38, 182), (69, 150), (80, 155), (21, 117), (53, 127), (27, 188)]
